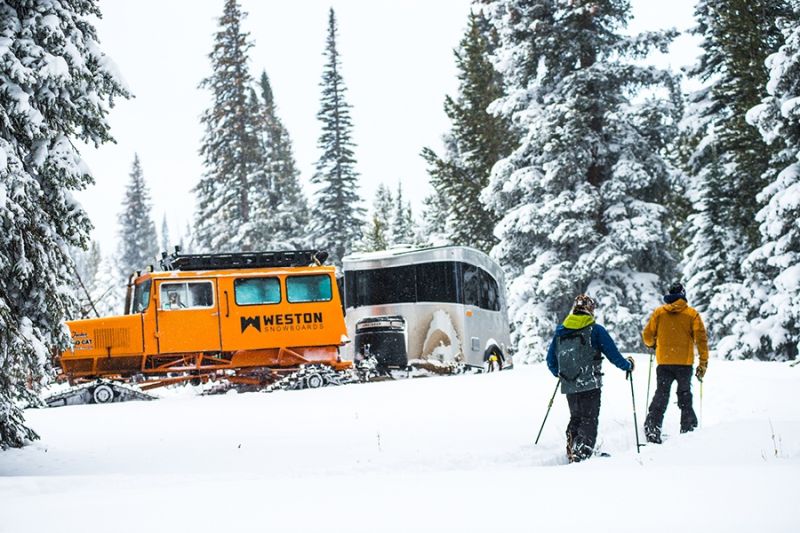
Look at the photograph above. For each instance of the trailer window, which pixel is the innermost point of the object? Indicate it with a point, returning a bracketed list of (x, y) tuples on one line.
[(309, 289), (141, 296), (490, 298), (381, 286), (257, 291), (472, 285), (438, 282), (192, 295)]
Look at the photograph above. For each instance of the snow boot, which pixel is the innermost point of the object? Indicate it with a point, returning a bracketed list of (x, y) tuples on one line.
[(688, 416), (653, 434)]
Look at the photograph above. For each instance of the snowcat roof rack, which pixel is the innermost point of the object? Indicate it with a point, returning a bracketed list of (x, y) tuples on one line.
[(293, 258)]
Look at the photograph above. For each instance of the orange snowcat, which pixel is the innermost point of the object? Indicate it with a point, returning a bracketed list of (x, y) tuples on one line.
[(246, 318)]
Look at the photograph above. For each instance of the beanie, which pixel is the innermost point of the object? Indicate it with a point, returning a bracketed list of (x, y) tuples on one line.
[(675, 293)]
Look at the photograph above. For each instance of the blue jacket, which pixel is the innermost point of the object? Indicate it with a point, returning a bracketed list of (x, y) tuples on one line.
[(600, 340)]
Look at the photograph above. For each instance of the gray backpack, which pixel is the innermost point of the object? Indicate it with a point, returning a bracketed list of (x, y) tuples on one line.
[(578, 362)]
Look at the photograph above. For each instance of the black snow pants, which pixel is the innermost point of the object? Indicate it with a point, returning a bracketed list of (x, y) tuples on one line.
[(584, 411), (665, 375)]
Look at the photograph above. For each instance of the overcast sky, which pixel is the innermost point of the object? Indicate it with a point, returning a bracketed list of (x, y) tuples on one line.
[(397, 63)]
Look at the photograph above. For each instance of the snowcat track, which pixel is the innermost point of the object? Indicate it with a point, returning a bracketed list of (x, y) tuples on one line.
[(366, 371), (100, 391), (314, 377)]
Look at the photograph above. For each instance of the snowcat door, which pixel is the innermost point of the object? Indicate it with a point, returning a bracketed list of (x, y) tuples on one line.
[(188, 316)]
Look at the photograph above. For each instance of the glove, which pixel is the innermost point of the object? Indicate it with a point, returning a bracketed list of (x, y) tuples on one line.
[(700, 372), (633, 365)]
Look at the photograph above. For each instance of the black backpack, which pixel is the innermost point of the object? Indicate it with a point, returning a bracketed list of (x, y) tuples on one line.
[(578, 362)]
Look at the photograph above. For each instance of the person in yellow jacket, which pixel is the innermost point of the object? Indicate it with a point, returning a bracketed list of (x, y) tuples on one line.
[(674, 330)]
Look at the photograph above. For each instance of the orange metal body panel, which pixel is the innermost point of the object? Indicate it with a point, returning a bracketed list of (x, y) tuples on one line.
[(219, 334), (251, 327), (186, 330)]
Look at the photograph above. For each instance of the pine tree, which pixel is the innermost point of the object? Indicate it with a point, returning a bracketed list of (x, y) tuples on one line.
[(579, 196), (109, 295), (230, 144), (432, 230), (165, 240), (402, 226), (280, 207), (138, 241), (337, 216), (187, 242), (727, 157), (377, 231), (768, 325), (56, 86), (96, 283), (86, 273), (477, 141)]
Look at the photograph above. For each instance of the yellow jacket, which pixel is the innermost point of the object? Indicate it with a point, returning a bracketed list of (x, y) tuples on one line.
[(675, 329)]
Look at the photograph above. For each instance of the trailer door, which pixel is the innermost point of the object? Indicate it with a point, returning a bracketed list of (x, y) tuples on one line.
[(188, 316)]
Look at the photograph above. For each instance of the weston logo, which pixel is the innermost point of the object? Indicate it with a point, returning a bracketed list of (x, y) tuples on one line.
[(282, 322)]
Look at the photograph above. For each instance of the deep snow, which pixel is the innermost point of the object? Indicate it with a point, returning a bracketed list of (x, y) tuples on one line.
[(437, 454)]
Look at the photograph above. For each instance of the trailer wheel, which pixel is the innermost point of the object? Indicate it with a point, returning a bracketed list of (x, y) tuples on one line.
[(103, 394), (314, 381)]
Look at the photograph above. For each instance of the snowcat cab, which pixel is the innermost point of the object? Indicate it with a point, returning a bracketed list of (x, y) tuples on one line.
[(248, 318)]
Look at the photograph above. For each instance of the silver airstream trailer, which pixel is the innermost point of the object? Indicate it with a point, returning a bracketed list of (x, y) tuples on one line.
[(445, 303)]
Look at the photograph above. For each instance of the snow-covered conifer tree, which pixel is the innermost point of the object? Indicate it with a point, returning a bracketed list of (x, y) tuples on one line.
[(476, 142), (580, 197), (138, 240), (727, 158), (280, 209), (432, 230), (98, 289), (87, 269), (109, 295), (374, 237), (769, 323), (230, 145), (402, 222), (337, 215), (377, 232), (166, 243), (56, 87)]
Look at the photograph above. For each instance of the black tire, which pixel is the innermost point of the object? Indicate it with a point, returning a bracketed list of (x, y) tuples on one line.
[(103, 394)]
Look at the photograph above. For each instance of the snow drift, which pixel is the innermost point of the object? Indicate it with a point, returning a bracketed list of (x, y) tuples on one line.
[(436, 454)]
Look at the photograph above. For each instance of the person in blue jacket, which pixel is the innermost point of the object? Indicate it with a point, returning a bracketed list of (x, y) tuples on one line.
[(575, 356)]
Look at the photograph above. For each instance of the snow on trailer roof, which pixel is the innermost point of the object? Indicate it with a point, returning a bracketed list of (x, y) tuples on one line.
[(409, 255)]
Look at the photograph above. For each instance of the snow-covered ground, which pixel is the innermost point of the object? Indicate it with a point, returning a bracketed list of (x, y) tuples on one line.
[(437, 454)]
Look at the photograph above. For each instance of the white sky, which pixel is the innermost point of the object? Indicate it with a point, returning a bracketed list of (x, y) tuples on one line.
[(397, 64)]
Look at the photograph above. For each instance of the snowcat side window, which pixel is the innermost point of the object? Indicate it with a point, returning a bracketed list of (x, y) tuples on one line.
[(193, 295), (257, 291), (301, 289), (141, 296), (201, 294)]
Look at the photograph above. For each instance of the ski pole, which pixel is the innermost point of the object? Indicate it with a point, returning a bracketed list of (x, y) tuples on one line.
[(635, 422), (701, 399), (649, 373), (548, 411)]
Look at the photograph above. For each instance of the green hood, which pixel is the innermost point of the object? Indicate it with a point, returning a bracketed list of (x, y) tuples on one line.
[(578, 321)]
